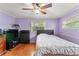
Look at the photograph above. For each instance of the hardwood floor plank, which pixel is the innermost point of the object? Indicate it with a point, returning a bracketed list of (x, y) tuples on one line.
[(22, 50)]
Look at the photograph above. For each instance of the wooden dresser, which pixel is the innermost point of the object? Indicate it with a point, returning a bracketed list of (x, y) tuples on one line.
[(2, 44)]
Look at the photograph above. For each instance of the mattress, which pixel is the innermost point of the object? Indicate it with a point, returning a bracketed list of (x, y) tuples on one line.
[(45, 40)]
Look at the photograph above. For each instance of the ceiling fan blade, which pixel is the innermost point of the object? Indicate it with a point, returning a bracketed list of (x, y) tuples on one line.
[(46, 6), (43, 12), (27, 8), (37, 4)]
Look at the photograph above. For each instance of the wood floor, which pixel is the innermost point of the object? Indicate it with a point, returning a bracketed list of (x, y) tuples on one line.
[(22, 50)]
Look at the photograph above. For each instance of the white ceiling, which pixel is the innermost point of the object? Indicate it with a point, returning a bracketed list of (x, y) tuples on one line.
[(57, 10)]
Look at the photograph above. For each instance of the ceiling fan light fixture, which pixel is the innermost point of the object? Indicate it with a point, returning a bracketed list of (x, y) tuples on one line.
[(37, 11)]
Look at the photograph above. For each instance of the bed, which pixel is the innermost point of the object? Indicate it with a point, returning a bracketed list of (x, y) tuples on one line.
[(48, 44)]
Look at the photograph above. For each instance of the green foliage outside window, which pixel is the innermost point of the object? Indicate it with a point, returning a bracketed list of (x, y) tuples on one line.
[(38, 26), (71, 23)]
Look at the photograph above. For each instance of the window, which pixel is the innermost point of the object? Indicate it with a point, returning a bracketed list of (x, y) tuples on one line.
[(71, 23), (38, 25)]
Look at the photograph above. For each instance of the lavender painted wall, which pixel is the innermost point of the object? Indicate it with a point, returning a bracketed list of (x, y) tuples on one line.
[(25, 24), (6, 21), (70, 34)]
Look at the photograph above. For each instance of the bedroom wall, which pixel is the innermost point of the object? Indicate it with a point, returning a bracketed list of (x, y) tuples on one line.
[(26, 25), (70, 34), (6, 21)]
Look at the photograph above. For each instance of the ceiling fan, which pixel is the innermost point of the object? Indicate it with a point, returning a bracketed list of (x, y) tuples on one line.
[(39, 7)]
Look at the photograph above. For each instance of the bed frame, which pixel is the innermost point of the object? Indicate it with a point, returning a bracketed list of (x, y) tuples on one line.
[(50, 32)]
